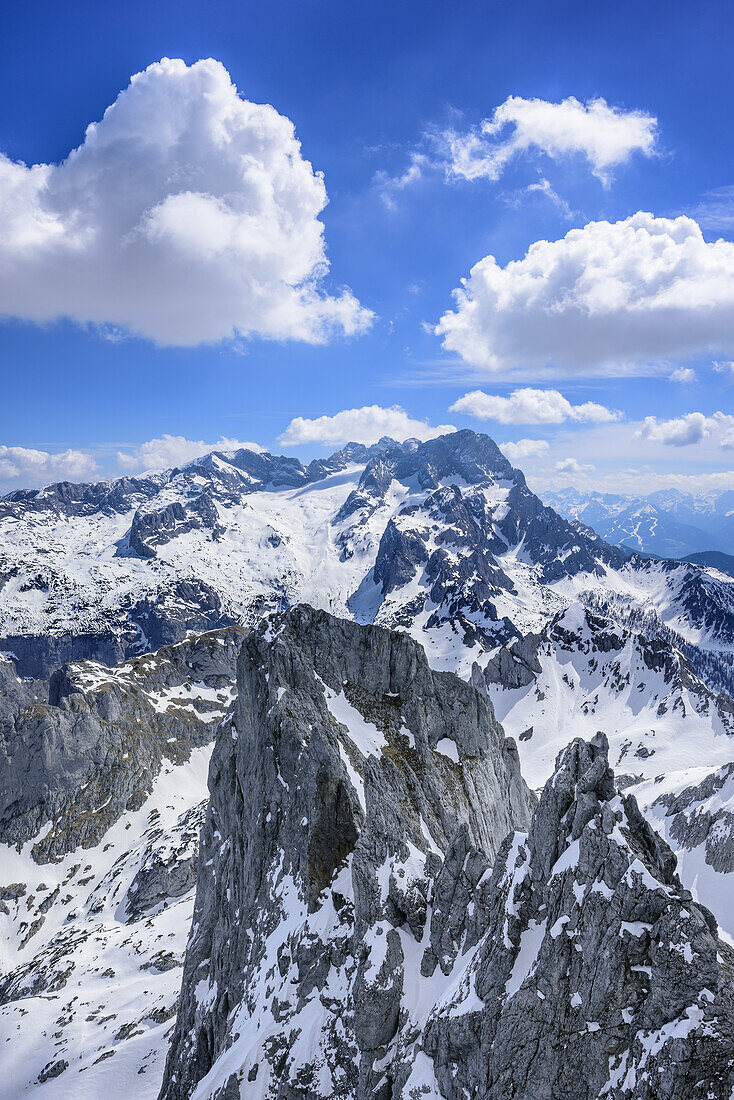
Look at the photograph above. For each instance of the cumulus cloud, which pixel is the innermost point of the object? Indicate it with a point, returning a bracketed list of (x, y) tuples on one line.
[(612, 298), (175, 450), (365, 425), (725, 367), (572, 466), (23, 467), (187, 215), (605, 136), (529, 406), (691, 428), (524, 448)]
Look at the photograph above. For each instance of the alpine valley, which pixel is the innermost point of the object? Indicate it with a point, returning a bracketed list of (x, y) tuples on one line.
[(372, 778)]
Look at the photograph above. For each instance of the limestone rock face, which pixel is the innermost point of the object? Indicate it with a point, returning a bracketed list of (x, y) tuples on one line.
[(378, 914), (362, 931), (79, 750), (102, 796), (356, 804), (701, 816), (597, 975)]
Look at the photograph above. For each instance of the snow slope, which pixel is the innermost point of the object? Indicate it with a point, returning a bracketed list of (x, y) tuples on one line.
[(93, 989), (666, 732), (422, 536)]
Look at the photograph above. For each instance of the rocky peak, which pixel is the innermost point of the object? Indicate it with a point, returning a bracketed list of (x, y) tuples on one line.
[(350, 773), (598, 974), (466, 456), (78, 751), (351, 937)]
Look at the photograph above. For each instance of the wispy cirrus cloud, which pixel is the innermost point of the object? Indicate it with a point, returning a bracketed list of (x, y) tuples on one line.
[(618, 458), (716, 209)]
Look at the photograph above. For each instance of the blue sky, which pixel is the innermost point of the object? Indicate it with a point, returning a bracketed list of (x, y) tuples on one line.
[(630, 322)]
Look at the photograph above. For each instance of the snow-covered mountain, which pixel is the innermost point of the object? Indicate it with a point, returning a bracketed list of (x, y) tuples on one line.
[(387, 949), (103, 790), (99, 835), (671, 739), (667, 523), (103, 769), (442, 538)]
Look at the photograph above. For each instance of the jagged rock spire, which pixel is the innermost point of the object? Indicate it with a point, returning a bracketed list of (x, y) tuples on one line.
[(351, 774), (598, 974), (351, 939)]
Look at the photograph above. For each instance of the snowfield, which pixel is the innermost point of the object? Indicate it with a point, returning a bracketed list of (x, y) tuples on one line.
[(442, 541), (107, 986)]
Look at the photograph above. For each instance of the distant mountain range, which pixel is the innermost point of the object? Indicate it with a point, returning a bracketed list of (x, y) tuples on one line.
[(667, 524), (442, 538)]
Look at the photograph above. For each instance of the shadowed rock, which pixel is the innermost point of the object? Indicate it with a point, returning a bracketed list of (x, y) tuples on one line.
[(352, 939), (349, 771)]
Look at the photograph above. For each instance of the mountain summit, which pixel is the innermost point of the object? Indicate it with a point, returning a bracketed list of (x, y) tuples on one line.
[(443, 538), (349, 938)]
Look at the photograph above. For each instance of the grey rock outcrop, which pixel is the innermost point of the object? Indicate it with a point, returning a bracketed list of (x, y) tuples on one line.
[(361, 930), (703, 814), (349, 772), (78, 751), (38, 655), (598, 974), (168, 866)]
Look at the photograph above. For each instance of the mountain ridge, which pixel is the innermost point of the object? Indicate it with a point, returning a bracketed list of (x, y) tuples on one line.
[(100, 573), (665, 523), (406, 968)]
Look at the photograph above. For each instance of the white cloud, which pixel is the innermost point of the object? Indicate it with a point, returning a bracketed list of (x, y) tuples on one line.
[(365, 425), (606, 136), (529, 406), (21, 467), (625, 462), (637, 481), (716, 209), (175, 450), (572, 466), (543, 187), (612, 298), (524, 448), (691, 428), (187, 215), (725, 367), (388, 186), (683, 374)]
